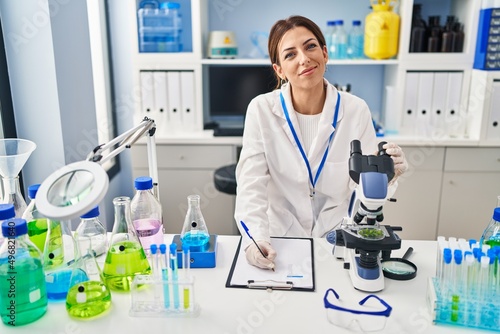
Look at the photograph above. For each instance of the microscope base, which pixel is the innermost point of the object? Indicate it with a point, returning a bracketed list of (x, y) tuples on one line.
[(369, 280)]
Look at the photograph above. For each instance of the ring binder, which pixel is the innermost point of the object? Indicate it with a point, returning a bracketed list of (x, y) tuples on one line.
[(270, 284)]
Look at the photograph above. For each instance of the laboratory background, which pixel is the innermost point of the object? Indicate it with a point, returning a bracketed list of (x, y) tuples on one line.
[(76, 74)]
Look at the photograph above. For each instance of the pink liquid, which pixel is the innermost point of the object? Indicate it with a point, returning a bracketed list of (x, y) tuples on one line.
[(149, 231)]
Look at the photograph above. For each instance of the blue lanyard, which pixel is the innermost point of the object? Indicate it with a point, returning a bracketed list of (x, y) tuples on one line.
[(304, 156)]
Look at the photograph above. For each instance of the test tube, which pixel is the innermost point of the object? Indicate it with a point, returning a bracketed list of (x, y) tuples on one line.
[(186, 263), (156, 271), (173, 267), (446, 273), (164, 275), (482, 286)]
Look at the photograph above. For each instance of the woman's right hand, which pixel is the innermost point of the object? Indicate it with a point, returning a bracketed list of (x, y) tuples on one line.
[(254, 257)]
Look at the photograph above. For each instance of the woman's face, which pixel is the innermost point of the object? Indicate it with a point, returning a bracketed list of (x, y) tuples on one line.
[(302, 59)]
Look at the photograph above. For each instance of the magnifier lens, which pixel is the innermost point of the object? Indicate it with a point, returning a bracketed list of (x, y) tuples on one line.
[(398, 268), (71, 188)]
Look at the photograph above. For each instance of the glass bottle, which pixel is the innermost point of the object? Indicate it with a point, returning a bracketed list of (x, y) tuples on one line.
[(146, 213), (90, 297), (491, 235), (23, 295), (91, 234), (12, 194), (339, 41), (418, 30), (59, 257), (126, 257), (37, 224), (355, 41), (194, 231), (6, 212)]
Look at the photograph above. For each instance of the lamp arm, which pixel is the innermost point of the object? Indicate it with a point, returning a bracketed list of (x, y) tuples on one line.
[(126, 140)]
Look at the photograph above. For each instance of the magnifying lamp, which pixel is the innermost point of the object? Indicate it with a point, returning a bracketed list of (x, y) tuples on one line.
[(75, 189)]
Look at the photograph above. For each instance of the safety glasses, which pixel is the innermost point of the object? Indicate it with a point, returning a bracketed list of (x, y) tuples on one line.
[(370, 317)]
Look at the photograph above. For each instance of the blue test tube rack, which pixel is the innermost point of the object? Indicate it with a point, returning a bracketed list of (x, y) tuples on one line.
[(466, 293)]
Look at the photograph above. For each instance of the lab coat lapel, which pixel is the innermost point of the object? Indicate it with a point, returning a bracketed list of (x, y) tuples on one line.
[(325, 127), (278, 110)]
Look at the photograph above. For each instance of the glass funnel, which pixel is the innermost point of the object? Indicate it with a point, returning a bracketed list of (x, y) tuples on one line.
[(13, 155)]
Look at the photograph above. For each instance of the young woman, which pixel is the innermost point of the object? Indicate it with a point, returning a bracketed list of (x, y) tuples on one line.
[(292, 176)]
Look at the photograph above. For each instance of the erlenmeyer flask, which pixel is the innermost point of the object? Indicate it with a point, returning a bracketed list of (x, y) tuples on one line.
[(194, 231), (13, 155), (126, 257), (91, 296), (37, 224), (58, 259), (90, 234)]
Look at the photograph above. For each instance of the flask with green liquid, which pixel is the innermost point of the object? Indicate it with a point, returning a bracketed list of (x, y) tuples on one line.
[(37, 224), (23, 295), (126, 257), (90, 297)]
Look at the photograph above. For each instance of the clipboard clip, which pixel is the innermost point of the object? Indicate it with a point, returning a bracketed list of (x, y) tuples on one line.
[(270, 285)]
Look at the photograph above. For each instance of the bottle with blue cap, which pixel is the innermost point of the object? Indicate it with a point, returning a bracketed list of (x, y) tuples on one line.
[(23, 295), (90, 234), (146, 213), (7, 211), (491, 235), (37, 224)]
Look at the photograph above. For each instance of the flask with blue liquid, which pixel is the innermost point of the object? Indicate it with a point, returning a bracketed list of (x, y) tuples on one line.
[(59, 258), (23, 295), (194, 231)]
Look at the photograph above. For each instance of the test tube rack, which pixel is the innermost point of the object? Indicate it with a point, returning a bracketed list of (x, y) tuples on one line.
[(466, 289), (462, 311), (148, 297)]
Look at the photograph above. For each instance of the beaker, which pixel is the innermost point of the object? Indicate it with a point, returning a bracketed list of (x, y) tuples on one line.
[(194, 231), (90, 297), (58, 259), (13, 155), (126, 257)]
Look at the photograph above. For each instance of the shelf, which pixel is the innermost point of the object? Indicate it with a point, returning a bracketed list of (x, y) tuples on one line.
[(253, 62)]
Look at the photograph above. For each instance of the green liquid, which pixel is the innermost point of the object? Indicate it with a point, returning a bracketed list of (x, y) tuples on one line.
[(37, 232), (54, 255), (186, 298), (23, 296), (88, 299), (124, 260), (493, 242)]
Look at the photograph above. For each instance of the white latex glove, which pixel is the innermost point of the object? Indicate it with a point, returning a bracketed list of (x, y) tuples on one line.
[(398, 156), (254, 257)]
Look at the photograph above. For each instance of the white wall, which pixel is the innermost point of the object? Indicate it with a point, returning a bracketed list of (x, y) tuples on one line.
[(50, 68)]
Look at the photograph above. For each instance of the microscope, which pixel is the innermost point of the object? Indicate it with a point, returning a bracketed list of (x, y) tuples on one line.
[(361, 240)]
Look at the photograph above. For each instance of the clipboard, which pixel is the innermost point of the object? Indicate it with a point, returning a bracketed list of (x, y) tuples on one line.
[(294, 268)]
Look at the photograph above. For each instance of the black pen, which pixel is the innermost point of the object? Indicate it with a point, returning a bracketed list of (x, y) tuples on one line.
[(248, 233)]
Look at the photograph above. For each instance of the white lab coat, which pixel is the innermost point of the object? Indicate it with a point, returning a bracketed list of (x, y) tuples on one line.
[(273, 187)]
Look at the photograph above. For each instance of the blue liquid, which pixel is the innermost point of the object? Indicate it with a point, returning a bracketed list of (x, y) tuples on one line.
[(58, 282), (195, 238)]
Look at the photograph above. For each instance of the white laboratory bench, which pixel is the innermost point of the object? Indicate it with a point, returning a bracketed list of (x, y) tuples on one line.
[(234, 310)]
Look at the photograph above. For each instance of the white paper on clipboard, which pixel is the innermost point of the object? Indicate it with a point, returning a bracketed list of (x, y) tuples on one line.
[(294, 267)]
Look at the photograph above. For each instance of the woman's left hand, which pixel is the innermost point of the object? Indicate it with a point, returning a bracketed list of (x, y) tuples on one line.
[(398, 156)]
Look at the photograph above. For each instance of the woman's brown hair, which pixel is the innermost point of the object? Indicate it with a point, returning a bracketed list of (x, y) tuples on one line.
[(281, 27)]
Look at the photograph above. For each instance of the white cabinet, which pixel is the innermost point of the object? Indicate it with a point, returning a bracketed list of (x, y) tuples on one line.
[(471, 185), (418, 194), (184, 170)]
